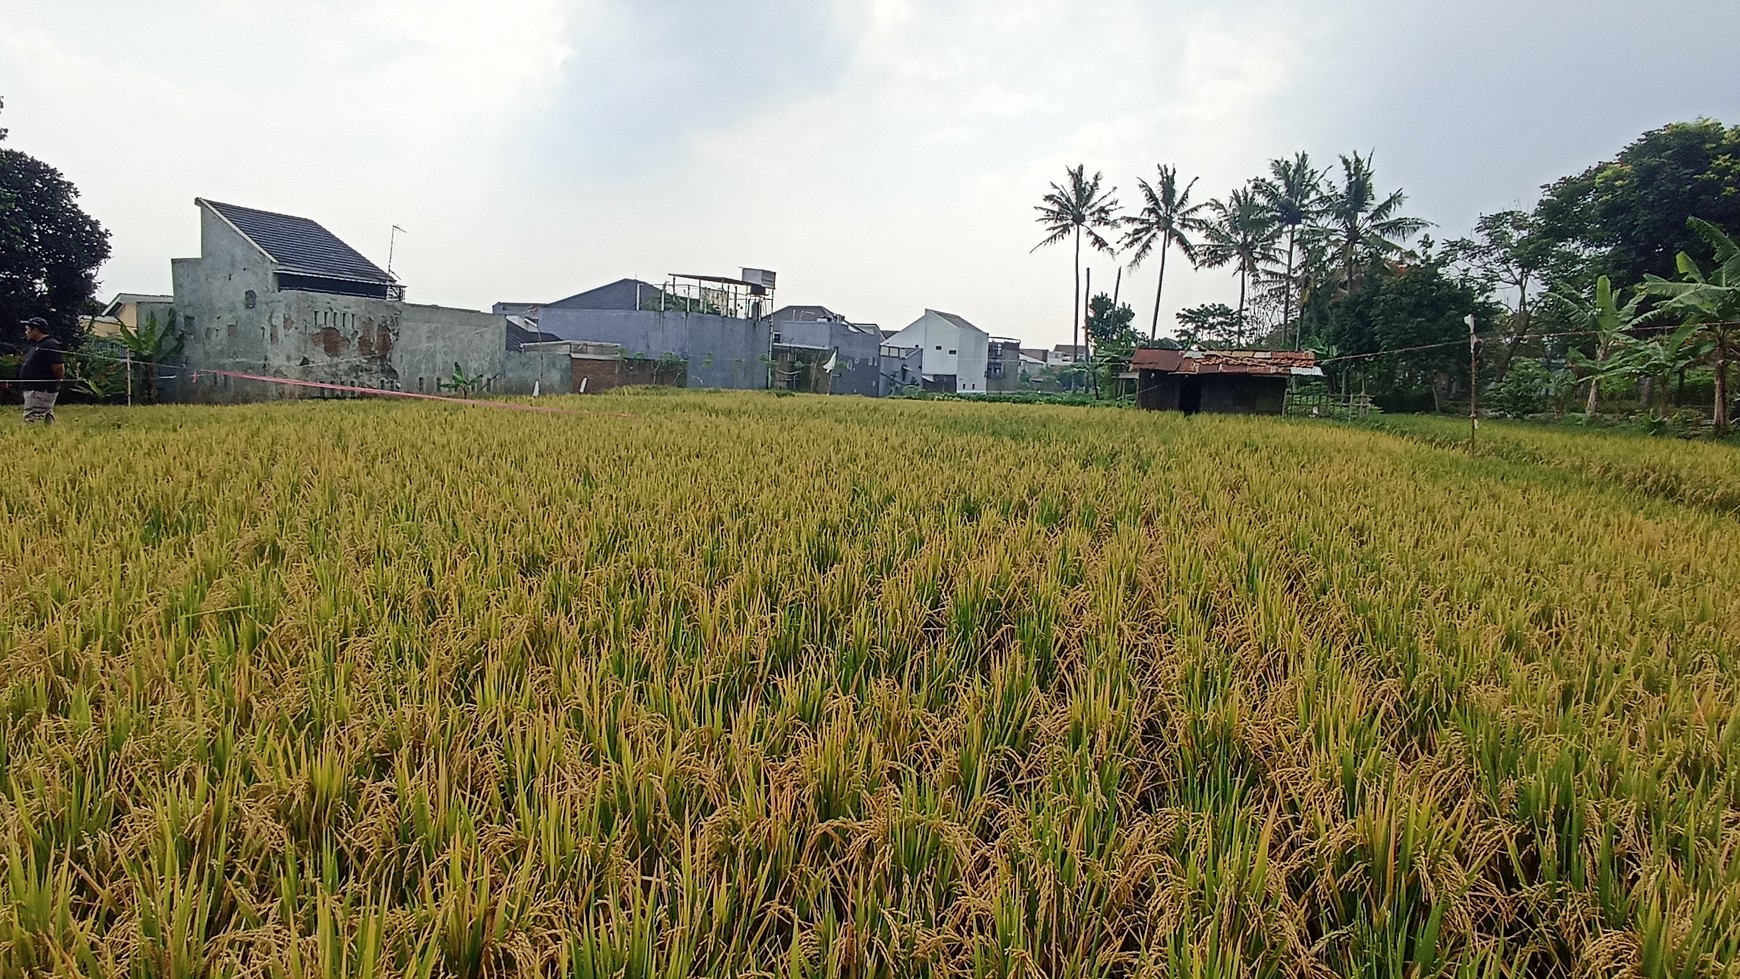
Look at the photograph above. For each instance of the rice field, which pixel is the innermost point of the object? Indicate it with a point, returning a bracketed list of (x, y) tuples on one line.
[(730, 684)]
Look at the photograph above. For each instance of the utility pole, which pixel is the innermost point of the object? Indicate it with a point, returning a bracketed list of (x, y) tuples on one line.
[(1087, 305), (1473, 381), (130, 378)]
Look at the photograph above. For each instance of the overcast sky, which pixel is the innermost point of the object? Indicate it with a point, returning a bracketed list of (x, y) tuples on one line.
[(881, 155)]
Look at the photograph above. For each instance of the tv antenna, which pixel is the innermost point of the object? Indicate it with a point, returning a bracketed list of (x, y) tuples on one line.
[(392, 240)]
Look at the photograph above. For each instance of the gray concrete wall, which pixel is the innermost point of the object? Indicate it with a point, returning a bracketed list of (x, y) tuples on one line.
[(546, 371), (723, 352), (434, 338)]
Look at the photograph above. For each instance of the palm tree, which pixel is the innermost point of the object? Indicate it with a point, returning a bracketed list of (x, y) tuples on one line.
[(1358, 221), (1317, 274), (1167, 218), (1242, 233), (1294, 192), (1608, 317), (1079, 209)]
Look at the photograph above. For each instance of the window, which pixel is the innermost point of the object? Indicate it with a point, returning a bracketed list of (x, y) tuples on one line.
[(939, 346), (249, 300), (951, 352)]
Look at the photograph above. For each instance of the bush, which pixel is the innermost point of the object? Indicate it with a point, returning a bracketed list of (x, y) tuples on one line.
[(1526, 390)]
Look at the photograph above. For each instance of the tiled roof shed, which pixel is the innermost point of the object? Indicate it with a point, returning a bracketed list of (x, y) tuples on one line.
[(299, 246), (1284, 363), (1221, 381)]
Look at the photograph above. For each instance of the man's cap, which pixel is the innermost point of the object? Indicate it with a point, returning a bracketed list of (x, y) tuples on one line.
[(35, 323)]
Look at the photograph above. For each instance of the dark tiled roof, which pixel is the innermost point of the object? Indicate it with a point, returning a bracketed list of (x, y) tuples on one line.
[(806, 314), (960, 321), (518, 334), (300, 246), (621, 294)]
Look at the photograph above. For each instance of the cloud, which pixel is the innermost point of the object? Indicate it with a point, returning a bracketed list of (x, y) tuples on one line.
[(882, 155)]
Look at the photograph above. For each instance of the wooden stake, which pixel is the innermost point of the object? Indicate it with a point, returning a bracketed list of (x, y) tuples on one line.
[(1473, 381)]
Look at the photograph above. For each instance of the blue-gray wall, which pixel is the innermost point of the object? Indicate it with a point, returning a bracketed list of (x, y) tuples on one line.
[(723, 352), (860, 365)]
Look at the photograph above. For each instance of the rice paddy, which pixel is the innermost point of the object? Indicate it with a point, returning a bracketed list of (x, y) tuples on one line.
[(729, 684)]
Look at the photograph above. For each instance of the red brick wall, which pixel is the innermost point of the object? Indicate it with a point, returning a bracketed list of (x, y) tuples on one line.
[(599, 376)]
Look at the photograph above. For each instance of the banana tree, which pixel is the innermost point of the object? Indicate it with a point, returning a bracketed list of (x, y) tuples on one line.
[(1656, 359), (1606, 315), (1709, 306), (150, 345)]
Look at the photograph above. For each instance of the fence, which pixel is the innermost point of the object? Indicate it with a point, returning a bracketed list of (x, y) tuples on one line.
[(1330, 405)]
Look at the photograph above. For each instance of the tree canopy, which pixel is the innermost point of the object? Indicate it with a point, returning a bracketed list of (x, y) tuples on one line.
[(50, 249), (1211, 325), (1629, 213), (1411, 315), (1111, 328)]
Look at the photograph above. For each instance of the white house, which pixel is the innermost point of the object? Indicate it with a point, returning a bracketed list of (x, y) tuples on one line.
[(953, 351)]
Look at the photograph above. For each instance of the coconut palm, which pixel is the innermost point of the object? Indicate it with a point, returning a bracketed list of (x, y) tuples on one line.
[(1293, 190), (1318, 276), (1167, 218), (1242, 233), (1078, 208), (1357, 221)]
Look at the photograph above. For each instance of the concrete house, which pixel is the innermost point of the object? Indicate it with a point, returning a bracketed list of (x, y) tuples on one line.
[(131, 310), (952, 351), (1003, 364), (1064, 354), (854, 349), (280, 296)]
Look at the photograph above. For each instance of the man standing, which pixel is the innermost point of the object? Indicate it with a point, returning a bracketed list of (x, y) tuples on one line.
[(40, 374)]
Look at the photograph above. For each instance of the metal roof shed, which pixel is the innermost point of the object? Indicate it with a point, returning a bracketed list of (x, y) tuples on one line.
[(1220, 381)]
